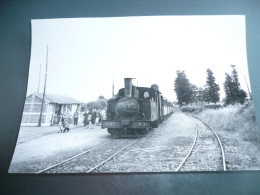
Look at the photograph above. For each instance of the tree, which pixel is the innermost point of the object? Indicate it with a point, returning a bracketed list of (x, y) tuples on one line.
[(212, 88), (234, 94), (100, 103), (205, 94), (228, 89), (200, 95), (182, 88), (101, 97), (195, 94), (240, 94)]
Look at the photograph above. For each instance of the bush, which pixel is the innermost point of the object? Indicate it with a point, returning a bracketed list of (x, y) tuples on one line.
[(198, 109), (248, 108), (247, 120), (213, 106), (193, 109), (234, 118)]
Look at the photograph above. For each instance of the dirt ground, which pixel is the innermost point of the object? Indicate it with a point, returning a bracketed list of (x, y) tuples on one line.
[(161, 150)]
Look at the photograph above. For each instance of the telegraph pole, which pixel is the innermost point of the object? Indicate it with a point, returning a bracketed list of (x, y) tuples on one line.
[(43, 96), (113, 87), (250, 96), (39, 78)]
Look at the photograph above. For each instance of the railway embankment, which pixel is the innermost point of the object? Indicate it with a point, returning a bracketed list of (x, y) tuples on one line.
[(237, 128)]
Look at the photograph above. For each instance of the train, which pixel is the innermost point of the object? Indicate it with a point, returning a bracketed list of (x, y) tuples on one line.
[(135, 110)]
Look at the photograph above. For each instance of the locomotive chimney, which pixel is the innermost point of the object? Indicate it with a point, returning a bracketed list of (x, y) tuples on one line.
[(128, 87), (133, 91)]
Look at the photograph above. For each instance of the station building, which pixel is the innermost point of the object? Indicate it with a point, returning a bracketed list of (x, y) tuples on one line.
[(54, 106)]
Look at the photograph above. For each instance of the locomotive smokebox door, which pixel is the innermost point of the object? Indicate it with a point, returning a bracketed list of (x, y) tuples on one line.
[(127, 107)]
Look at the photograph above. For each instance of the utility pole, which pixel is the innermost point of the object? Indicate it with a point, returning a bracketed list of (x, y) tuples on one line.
[(113, 94), (250, 96), (113, 87), (39, 78), (43, 96)]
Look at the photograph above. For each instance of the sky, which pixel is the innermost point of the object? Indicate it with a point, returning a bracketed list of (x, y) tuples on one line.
[(86, 55)]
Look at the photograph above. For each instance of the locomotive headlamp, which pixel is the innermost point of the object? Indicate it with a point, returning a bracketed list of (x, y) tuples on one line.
[(146, 94)]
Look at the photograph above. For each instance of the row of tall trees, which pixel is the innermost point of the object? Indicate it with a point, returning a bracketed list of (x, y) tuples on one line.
[(188, 93)]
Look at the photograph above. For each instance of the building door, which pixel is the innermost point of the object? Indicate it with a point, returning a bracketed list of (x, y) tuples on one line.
[(59, 109)]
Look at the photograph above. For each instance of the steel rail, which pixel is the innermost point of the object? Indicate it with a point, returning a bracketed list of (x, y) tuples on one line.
[(220, 144), (187, 156), (53, 166), (90, 170)]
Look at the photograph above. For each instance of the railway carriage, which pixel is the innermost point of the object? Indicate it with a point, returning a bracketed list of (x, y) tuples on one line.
[(167, 108), (135, 110)]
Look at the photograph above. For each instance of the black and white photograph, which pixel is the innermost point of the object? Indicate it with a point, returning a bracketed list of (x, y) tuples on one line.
[(138, 95)]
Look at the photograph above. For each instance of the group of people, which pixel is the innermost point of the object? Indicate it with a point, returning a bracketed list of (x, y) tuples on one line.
[(91, 118)]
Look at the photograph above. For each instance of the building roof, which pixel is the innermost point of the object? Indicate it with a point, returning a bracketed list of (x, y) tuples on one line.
[(59, 99)]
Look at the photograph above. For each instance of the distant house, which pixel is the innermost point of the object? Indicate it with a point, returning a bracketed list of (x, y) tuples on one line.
[(54, 106)]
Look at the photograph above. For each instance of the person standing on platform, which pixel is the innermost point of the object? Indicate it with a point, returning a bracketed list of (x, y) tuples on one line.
[(85, 120), (76, 117), (66, 121), (93, 118)]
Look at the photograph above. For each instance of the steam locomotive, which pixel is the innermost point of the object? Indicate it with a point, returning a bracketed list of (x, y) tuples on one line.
[(135, 110)]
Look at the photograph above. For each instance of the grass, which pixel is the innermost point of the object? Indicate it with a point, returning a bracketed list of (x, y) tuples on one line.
[(197, 109), (237, 129), (238, 119)]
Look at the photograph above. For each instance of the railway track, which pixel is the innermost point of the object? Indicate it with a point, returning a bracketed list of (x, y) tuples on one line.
[(219, 142), (76, 160), (200, 153), (189, 153), (202, 141)]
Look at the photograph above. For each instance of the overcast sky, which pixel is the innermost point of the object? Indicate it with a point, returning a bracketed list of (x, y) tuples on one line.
[(85, 53)]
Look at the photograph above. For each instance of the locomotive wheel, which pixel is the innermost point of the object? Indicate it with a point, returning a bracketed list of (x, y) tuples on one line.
[(141, 131), (110, 130), (113, 132)]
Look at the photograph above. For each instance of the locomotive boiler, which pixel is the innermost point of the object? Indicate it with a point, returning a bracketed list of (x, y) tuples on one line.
[(135, 110)]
